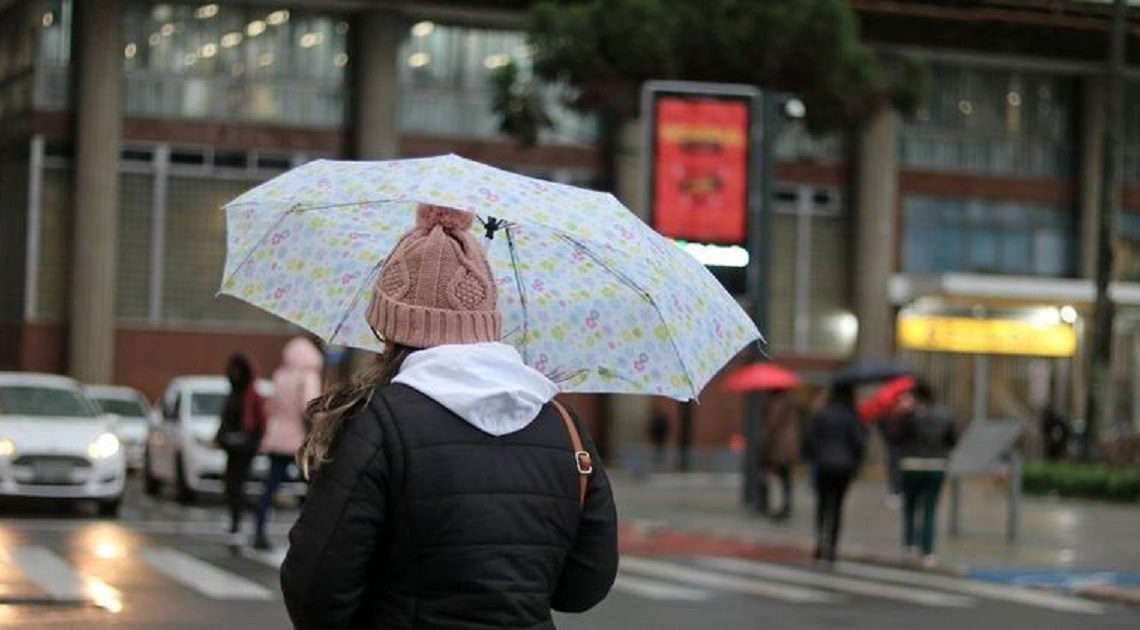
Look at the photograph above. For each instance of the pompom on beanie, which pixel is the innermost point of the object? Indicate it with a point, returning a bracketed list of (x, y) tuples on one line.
[(436, 286)]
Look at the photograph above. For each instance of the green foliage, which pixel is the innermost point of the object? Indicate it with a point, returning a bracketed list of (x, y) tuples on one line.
[(1090, 481), (605, 50), (520, 108)]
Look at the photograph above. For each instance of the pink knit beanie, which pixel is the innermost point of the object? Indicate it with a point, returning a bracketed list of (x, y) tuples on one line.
[(436, 287)]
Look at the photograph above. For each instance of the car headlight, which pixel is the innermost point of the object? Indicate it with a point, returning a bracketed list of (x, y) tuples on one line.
[(7, 447), (104, 446)]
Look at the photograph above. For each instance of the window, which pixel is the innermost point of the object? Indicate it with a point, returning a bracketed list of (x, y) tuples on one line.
[(445, 78), (992, 121), (236, 62), (170, 407), (981, 236)]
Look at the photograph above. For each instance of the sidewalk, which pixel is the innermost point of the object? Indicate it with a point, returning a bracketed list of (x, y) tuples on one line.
[(1097, 545)]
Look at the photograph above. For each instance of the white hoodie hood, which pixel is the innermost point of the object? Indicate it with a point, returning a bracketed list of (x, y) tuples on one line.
[(486, 384)]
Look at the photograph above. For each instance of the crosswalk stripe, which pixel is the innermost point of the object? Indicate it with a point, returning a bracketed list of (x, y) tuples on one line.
[(879, 590), (201, 576), (1040, 599), (272, 559), (656, 589), (54, 576), (698, 577)]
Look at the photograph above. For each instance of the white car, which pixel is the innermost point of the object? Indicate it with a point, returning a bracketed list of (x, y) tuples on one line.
[(134, 417), (180, 449), (55, 443)]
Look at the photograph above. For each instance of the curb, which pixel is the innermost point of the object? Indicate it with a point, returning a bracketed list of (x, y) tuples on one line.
[(741, 545), (1111, 594)]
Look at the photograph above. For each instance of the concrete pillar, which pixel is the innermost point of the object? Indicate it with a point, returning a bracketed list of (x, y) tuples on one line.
[(375, 120), (374, 106), (98, 64), (630, 414), (877, 185), (1091, 159)]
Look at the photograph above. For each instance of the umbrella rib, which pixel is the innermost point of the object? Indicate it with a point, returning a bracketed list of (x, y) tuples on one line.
[(260, 242), (355, 299), (522, 291), (640, 291)]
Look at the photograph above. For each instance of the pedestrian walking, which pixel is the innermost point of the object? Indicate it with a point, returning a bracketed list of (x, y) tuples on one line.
[(448, 488), (834, 442), (295, 383), (239, 435), (658, 432), (1055, 433), (779, 450), (926, 437)]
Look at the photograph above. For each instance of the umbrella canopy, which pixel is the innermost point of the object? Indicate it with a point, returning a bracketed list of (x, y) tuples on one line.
[(590, 295), (871, 371), (761, 376), (883, 399)]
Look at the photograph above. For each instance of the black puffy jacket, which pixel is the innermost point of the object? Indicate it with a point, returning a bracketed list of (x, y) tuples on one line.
[(421, 520), (835, 438)]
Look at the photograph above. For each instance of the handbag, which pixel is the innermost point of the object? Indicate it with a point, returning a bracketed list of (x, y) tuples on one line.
[(582, 460)]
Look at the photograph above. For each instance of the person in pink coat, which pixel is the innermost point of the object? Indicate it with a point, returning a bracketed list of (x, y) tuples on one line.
[(295, 383)]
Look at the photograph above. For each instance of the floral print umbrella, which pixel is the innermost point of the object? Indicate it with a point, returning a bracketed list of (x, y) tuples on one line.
[(590, 295)]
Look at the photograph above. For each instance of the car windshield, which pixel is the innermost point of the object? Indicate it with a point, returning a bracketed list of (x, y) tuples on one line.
[(123, 408), (209, 405), (35, 400)]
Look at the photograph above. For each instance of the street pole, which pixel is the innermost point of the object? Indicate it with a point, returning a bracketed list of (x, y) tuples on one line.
[(759, 209), (1101, 360)]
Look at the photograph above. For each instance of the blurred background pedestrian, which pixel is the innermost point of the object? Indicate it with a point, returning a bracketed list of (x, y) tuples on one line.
[(834, 442), (296, 382), (926, 436), (239, 435), (658, 431), (1055, 432), (779, 451)]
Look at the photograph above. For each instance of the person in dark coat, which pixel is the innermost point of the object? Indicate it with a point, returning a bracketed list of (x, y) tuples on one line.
[(447, 491), (1055, 432), (779, 450), (926, 437), (834, 442), (239, 435)]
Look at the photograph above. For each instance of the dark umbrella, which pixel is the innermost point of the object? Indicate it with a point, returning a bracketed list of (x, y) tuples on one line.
[(871, 371)]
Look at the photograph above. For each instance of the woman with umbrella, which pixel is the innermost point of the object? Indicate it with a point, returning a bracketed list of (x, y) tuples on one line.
[(780, 432), (444, 493), (834, 442)]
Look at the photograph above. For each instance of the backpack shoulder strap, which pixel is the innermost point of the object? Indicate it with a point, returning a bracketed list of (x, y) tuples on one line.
[(582, 460)]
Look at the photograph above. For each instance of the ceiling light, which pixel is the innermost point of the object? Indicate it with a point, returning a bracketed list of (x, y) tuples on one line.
[(130, 50), (265, 59), (255, 28), (341, 60), (341, 28), (419, 60), (278, 18), (423, 29), (48, 19), (308, 40), (190, 59), (154, 39), (208, 50), (167, 29), (229, 40), (1014, 99), (498, 60), (206, 11)]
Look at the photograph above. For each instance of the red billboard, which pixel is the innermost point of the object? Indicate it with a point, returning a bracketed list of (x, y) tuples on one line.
[(700, 167)]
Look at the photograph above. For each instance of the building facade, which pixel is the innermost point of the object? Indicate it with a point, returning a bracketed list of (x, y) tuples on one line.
[(141, 118)]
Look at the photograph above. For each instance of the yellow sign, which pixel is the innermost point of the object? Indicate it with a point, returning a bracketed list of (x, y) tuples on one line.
[(986, 336)]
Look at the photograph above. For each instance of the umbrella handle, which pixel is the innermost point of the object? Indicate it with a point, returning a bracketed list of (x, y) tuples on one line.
[(493, 225)]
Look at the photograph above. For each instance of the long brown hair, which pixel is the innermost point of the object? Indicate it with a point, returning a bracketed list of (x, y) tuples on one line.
[(331, 410)]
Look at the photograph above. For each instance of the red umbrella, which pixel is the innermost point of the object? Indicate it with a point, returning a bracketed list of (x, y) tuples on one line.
[(879, 403), (759, 376)]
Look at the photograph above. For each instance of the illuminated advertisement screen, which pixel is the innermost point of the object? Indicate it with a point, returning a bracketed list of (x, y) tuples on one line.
[(699, 173)]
